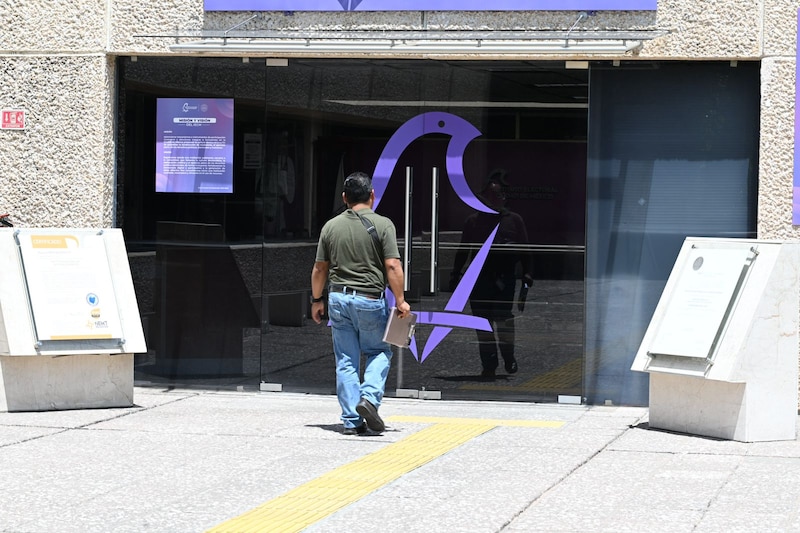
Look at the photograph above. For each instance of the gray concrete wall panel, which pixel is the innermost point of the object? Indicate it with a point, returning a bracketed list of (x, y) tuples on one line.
[(780, 28), (776, 150), (130, 20), (701, 30), (76, 26), (58, 171), (707, 30)]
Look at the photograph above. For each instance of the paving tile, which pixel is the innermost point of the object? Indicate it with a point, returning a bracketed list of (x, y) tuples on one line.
[(188, 460)]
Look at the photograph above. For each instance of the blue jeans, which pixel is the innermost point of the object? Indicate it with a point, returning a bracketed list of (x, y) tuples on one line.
[(357, 326)]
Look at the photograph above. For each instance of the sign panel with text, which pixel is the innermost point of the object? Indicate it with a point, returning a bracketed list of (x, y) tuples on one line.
[(707, 287), (69, 285), (194, 145)]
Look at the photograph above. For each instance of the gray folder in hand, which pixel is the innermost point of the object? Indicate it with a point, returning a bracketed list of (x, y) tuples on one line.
[(399, 330)]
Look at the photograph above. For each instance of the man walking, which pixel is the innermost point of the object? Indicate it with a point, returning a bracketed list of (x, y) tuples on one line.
[(359, 266)]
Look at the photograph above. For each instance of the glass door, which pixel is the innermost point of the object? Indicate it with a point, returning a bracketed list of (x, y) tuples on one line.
[(496, 268), (481, 165)]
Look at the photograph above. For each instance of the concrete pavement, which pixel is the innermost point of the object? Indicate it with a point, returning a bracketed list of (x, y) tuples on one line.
[(191, 460)]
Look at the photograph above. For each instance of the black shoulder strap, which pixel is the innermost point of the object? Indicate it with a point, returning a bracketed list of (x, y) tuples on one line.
[(376, 240)]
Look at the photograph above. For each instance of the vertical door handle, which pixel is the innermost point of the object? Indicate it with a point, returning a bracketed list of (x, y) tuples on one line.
[(434, 230), (408, 235)]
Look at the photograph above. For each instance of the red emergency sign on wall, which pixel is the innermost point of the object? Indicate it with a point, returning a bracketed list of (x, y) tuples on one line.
[(12, 119)]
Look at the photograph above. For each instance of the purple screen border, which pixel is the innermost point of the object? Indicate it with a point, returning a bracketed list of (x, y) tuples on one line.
[(430, 5), (218, 181)]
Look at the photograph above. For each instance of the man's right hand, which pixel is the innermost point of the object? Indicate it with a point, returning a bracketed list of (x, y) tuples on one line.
[(403, 309), (317, 311)]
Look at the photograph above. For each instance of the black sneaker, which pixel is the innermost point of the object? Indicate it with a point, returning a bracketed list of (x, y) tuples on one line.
[(511, 366), (370, 414), (358, 430)]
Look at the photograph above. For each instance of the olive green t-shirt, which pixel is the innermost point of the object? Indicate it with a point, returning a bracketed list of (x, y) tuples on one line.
[(346, 244)]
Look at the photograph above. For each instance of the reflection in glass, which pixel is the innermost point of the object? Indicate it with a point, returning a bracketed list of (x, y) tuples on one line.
[(673, 153), (222, 280), (494, 294)]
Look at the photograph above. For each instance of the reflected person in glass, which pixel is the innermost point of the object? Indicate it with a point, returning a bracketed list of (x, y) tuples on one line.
[(493, 296)]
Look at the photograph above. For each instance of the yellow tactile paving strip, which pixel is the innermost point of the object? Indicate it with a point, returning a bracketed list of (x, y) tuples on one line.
[(564, 379), (323, 496), (478, 421)]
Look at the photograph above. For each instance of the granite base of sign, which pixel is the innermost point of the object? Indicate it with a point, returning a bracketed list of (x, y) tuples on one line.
[(743, 412), (43, 383), (722, 346)]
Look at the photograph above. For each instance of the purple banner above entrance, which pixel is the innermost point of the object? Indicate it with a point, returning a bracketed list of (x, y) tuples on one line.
[(430, 5)]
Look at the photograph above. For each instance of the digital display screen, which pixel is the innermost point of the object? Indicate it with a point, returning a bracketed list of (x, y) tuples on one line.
[(194, 145)]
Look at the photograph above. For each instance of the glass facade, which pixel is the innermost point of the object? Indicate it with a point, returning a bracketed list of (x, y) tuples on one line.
[(673, 152), (223, 279)]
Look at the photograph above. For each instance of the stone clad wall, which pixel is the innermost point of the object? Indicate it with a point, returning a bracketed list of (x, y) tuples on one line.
[(57, 62), (132, 21), (53, 64), (58, 171), (696, 30), (776, 154), (777, 121), (74, 27)]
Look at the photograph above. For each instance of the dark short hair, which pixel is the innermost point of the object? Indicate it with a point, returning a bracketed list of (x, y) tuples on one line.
[(357, 187)]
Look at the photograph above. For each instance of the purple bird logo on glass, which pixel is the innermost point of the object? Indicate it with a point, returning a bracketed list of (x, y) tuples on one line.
[(461, 134)]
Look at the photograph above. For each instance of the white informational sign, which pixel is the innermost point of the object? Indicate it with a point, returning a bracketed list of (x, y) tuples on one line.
[(706, 286), (69, 285), (252, 151)]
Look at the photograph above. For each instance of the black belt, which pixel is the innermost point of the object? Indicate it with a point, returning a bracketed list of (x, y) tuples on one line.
[(355, 292)]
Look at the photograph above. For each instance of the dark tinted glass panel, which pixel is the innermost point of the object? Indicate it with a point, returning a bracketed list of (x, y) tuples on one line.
[(355, 109), (196, 257), (224, 282), (673, 152)]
